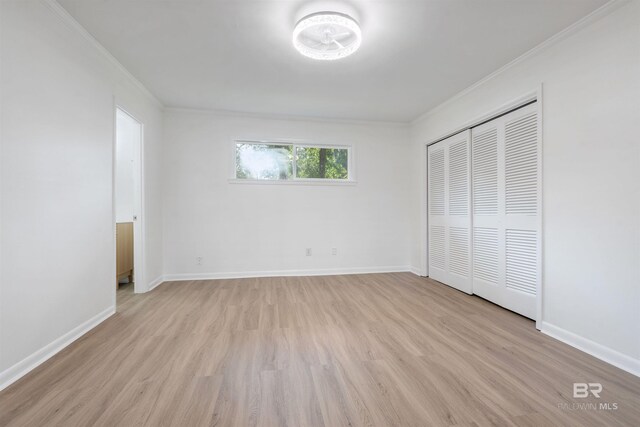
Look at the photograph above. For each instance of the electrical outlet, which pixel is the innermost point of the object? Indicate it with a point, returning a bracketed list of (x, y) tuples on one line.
[(308, 251), (334, 251), (199, 260)]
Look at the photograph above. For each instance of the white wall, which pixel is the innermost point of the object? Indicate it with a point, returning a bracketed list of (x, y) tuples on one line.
[(246, 229), (57, 216), (591, 178)]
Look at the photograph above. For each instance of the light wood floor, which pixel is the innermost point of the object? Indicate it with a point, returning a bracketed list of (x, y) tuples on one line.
[(375, 350)]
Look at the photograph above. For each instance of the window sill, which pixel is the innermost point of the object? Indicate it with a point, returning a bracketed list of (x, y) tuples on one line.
[(325, 182)]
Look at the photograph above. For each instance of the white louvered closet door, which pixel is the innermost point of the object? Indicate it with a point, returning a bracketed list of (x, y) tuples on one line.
[(506, 210), (450, 211)]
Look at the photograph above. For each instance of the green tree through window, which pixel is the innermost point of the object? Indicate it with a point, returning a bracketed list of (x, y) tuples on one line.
[(327, 163)]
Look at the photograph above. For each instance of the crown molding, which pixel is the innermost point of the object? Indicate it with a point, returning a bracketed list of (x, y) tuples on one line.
[(603, 10), (287, 117), (71, 22)]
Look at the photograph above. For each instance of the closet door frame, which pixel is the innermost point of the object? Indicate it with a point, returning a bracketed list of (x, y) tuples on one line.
[(535, 95)]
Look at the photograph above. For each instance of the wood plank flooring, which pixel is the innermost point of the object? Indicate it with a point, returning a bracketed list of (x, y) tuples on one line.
[(359, 350)]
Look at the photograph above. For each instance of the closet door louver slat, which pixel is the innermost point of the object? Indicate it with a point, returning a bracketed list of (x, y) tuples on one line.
[(437, 232), (506, 211), (485, 173), (436, 182), (459, 251), (521, 165), (458, 178), (521, 260), (437, 246), (485, 254), (450, 211)]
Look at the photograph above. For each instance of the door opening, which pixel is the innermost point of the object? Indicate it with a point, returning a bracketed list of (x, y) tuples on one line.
[(128, 204)]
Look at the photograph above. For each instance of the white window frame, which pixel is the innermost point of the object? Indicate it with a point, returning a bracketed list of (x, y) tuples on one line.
[(294, 180)]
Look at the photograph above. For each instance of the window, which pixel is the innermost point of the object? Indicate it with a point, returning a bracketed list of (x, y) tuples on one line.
[(291, 162), (264, 161)]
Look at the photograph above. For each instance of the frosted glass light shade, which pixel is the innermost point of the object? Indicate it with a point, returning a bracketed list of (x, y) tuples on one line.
[(327, 36)]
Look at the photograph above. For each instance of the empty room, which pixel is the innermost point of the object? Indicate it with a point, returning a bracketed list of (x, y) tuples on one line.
[(319, 213)]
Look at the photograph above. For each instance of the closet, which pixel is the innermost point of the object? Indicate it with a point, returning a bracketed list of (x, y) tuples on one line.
[(499, 257)]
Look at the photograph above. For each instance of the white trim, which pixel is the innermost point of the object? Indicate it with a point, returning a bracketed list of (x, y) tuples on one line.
[(299, 181), (286, 117), (139, 249), (155, 283), (417, 271), (575, 27), (606, 354), (603, 10), (540, 223), (281, 273), (424, 208), (139, 206), (114, 231), (71, 22), (29, 363), (508, 106)]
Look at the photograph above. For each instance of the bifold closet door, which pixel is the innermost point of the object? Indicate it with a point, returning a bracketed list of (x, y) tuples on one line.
[(506, 210), (449, 211)]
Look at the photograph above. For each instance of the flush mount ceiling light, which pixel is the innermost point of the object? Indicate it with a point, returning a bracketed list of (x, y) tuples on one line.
[(327, 36)]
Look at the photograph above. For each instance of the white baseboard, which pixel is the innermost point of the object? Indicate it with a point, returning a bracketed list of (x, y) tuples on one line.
[(606, 354), (26, 365), (157, 281), (417, 271), (279, 273)]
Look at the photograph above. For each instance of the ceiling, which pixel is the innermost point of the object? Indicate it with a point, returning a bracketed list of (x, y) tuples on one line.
[(237, 54)]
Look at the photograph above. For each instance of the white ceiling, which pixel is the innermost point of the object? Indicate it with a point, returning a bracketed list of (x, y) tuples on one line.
[(237, 54)]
